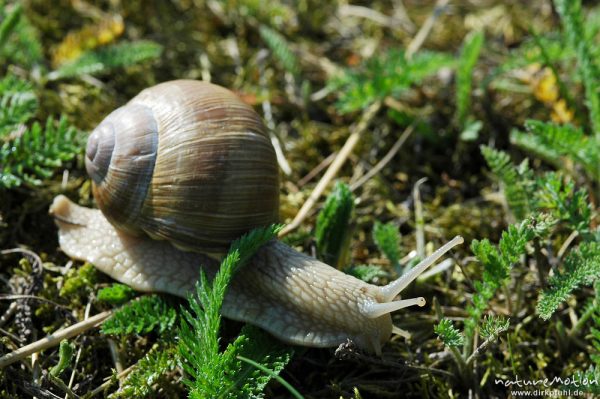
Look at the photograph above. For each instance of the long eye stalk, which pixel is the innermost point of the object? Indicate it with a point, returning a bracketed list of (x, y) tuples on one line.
[(394, 288)]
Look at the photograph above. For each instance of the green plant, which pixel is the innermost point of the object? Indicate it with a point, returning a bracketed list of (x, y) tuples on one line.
[(10, 19), (581, 267), (65, 352), (37, 153), (107, 59), (19, 42), (446, 331), (554, 142), (213, 373), (18, 105), (573, 25), (141, 316), (497, 262), (281, 49), (387, 75), (387, 238), (517, 182), (149, 371), (564, 205), (116, 294), (333, 231), (464, 71)]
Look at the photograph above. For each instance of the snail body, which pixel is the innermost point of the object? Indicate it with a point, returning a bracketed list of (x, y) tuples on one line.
[(178, 173)]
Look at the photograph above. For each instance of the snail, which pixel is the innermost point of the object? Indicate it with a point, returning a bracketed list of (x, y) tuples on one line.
[(179, 172)]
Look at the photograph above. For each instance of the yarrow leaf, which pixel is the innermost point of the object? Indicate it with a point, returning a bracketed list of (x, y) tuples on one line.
[(141, 316), (449, 335)]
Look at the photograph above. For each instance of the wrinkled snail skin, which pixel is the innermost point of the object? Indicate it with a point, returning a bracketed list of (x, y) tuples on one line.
[(154, 242)]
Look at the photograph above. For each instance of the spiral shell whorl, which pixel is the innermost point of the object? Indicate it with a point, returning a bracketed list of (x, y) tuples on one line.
[(120, 158), (191, 164)]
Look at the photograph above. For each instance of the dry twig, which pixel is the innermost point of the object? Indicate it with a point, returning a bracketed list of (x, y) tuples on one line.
[(333, 169), (53, 339), (426, 28)]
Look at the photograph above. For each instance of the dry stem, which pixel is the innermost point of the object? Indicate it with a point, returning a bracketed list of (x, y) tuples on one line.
[(333, 169), (53, 339)]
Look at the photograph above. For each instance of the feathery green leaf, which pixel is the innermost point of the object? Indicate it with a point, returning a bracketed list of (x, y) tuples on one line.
[(493, 326), (573, 24), (449, 335), (387, 75), (214, 373), (281, 49), (551, 142), (148, 372), (141, 316), (498, 262), (108, 58), (517, 182), (37, 153), (581, 267), (18, 104)]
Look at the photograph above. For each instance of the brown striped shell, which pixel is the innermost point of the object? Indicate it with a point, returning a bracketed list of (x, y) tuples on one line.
[(185, 161)]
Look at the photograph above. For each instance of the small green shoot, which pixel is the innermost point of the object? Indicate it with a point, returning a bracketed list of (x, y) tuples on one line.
[(19, 40), (449, 335), (493, 326), (333, 226), (464, 74), (65, 354), (9, 22), (387, 238)]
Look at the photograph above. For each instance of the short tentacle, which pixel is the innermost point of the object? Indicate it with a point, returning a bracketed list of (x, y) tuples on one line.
[(391, 290), (398, 331)]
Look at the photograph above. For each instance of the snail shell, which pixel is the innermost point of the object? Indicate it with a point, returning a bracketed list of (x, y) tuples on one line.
[(185, 161), (188, 162)]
